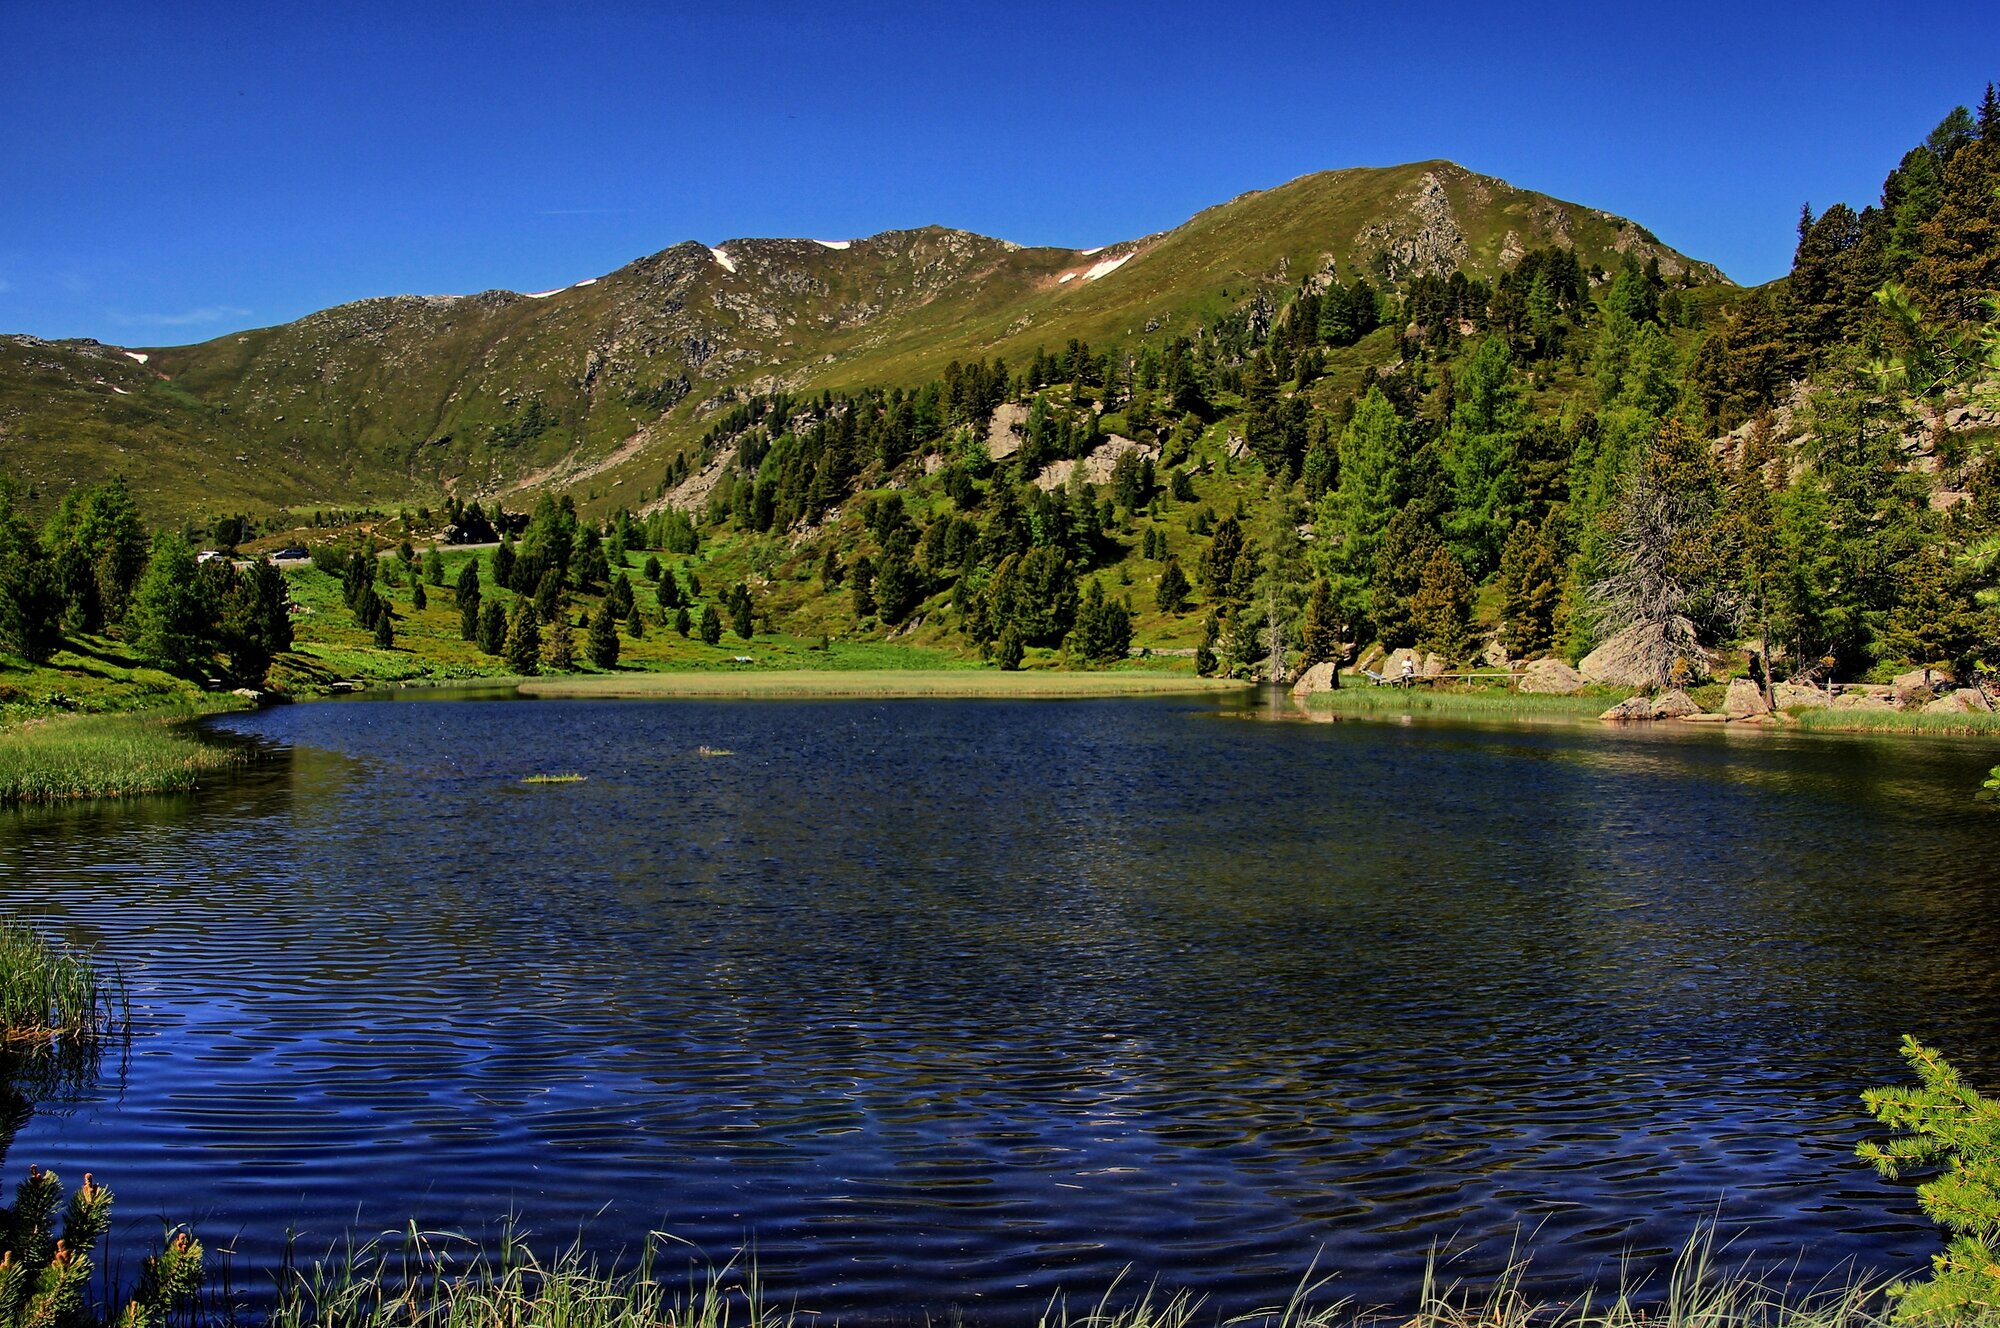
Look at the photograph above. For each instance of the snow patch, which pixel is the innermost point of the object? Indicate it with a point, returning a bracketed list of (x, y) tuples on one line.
[(1098, 250), (1107, 267), (1067, 276), (587, 281), (542, 294), (834, 244), (722, 257), (137, 356)]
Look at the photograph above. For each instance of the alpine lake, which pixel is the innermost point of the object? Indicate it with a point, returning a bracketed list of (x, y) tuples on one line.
[(935, 1008)]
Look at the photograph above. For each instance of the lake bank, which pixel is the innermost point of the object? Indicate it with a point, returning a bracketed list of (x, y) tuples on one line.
[(110, 756), (885, 684)]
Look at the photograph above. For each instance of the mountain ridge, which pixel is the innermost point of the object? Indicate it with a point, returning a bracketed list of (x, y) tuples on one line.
[(401, 397)]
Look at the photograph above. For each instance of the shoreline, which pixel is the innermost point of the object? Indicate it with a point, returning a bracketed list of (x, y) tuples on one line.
[(877, 684)]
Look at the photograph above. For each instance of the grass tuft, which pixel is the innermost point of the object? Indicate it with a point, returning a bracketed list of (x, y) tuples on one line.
[(51, 994), (106, 756), (571, 778)]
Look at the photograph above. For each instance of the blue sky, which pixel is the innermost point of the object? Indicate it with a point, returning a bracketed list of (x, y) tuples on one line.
[(174, 172)]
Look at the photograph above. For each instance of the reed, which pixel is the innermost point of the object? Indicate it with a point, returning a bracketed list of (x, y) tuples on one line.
[(1458, 703), (106, 756), (51, 994), (1897, 721), (427, 1280)]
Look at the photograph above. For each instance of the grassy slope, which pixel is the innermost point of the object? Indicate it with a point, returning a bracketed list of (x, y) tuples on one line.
[(404, 398)]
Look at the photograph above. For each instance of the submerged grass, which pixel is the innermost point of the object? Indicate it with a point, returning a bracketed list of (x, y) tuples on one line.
[(432, 1281), (883, 683), (50, 993), (106, 756), (571, 778)]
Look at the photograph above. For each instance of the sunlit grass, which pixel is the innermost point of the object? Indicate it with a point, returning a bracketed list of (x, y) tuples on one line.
[(571, 778), (105, 756), (1975, 724), (1459, 703), (883, 683)]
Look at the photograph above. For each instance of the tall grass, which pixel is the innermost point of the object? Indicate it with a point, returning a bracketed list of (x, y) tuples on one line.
[(432, 1281), (105, 756), (1975, 724), (1458, 703), (882, 683), (50, 993)]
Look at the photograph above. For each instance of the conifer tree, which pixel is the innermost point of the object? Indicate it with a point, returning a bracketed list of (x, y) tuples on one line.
[(711, 625), (601, 644), (524, 640), (1319, 638), (467, 595), (1441, 610), (741, 613), (503, 562), (635, 625), (171, 622), (492, 635), (559, 648), (31, 602), (1009, 652), (1530, 591), (1933, 621), (1173, 587), (683, 623), (419, 600), (385, 631), (434, 566), (652, 569)]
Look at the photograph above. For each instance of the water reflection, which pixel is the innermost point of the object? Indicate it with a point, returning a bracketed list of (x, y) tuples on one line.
[(949, 1003)]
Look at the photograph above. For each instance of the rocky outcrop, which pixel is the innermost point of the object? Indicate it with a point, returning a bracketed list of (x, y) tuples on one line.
[(1550, 677), (1632, 708), (1426, 239), (1321, 677), (1919, 686), (1422, 666)]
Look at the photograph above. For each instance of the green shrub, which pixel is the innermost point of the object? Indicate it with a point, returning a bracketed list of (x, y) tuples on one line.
[(1946, 1128), (44, 1275)]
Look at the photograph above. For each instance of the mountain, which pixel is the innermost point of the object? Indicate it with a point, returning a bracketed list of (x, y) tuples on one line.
[(595, 386)]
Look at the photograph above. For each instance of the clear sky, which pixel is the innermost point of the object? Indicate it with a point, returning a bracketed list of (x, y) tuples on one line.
[(171, 172)]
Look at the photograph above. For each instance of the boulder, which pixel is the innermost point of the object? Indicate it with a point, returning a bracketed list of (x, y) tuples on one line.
[(1675, 704), (1796, 696), (1550, 677), (1422, 665), (1918, 686), (1963, 701), (1869, 700), (1643, 655), (1744, 699), (1635, 707), (1319, 678)]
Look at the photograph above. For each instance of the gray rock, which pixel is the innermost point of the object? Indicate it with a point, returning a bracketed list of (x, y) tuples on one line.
[(1550, 677), (1794, 696), (1318, 678), (1675, 704), (1743, 699), (1919, 686), (1964, 701), (1635, 707)]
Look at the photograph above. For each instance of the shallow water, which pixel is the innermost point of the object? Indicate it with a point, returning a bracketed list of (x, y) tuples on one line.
[(941, 1005)]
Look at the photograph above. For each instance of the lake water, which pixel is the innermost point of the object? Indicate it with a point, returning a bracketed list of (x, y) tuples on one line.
[(940, 1006)]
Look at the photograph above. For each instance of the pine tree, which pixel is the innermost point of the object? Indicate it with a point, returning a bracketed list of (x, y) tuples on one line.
[(742, 616), (683, 623), (503, 562), (1218, 561), (31, 602), (492, 635), (1530, 591), (524, 641), (711, 626), (1441, 610), (467, 596), (419, 600), (170, 621), (1933, 621), (635, 626), (559, 648), (1009, 652), (1173, 587), (652, 569), (385, 631), (434, 566), (601, 644), (1319, 639), (1946, 1129)]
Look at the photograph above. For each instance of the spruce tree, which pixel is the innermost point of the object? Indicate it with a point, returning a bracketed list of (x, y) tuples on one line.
[(741, 613), (711, 625), (1319, 639), (503, 562), (1009, 652), (601, 645), (385, 631), (524, 640), (683, 624), (635, 624), (434, 566), (492, 635), (652, 569), (1530, 589), (1441, 610), (559, 648), (467, 595), (418, 599), (1173, 588)]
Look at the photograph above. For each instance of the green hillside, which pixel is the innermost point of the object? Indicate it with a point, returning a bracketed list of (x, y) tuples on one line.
[(590, 388)]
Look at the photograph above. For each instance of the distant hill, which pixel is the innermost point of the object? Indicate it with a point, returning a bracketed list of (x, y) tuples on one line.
[(407, 398)]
